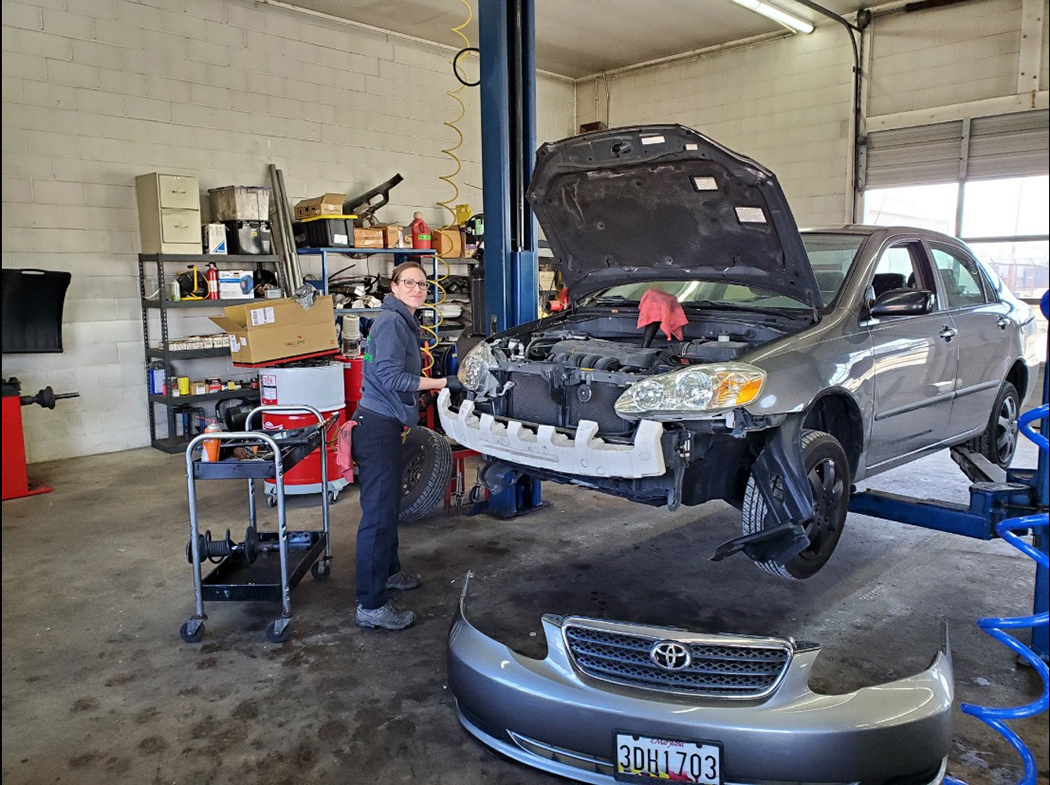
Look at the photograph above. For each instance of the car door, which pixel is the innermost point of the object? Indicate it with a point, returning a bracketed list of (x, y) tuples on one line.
[(914, 360), (982, 342)]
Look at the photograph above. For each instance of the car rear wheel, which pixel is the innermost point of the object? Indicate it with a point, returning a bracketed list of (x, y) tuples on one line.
[(828, 471), (998, 443)]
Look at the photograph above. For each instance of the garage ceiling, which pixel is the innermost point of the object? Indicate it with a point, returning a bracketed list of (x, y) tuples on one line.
[(584, 36)]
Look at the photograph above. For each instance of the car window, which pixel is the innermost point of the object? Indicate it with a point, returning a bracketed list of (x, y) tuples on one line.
[(993, 284), (900, 267), (961, 279), (831, 256)]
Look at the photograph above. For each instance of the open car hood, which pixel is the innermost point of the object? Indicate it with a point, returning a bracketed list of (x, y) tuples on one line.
[(664, 202)]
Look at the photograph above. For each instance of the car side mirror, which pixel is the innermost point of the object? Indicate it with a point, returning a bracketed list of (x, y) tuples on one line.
[(902, 302)]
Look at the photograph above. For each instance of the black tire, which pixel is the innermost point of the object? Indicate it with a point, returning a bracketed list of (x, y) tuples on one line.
[(828, 470), (998, 443), (427, 469), (196, 637), (321, 570), (272, 636)]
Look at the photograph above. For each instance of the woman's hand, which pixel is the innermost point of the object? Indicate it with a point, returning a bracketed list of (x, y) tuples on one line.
[(451, 382)]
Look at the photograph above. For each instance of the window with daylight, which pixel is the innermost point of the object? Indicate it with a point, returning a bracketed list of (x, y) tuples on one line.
[(983, 180)]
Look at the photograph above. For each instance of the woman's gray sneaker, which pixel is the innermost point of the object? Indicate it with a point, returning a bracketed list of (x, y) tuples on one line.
[(402, 581), (386, 617)]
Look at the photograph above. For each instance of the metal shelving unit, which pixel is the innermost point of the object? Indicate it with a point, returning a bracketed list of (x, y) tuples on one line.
[(400, 255), (152, 266)]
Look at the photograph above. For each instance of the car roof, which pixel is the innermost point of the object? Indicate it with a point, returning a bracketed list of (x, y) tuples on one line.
[(867, 230)]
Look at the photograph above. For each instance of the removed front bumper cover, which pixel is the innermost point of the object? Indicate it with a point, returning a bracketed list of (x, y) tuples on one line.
[(544, 447), (548, 714)]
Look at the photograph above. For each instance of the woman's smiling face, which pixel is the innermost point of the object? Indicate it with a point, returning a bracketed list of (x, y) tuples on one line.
[(410, 288)]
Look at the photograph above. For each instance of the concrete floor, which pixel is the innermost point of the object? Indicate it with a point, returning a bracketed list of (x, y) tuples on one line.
[(98, 687)]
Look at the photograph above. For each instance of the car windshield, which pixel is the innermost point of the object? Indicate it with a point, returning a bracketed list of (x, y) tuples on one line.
[(831, 255), (717, 294)]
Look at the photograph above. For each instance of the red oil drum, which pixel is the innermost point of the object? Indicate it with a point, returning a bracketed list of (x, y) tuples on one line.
[(353, 375)]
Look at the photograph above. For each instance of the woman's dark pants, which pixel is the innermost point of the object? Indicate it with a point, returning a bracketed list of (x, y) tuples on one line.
[(377, 452)]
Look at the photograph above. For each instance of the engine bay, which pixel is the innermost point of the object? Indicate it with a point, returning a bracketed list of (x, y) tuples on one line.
[(614, 344)]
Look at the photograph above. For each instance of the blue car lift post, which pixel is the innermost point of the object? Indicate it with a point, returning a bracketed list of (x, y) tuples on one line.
[(506, 35), (1024, 492)]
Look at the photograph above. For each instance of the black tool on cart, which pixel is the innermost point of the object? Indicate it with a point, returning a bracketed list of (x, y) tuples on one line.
[(259, 568)]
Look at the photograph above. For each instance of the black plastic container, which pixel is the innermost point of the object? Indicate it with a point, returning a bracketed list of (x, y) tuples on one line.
[(248, 237), (324, 233)]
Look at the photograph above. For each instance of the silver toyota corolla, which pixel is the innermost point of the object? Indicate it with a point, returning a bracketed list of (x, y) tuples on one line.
[(776, 368), (802, 361)]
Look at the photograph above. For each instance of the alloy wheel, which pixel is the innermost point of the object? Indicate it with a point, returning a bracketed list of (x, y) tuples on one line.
[(1006, 430)]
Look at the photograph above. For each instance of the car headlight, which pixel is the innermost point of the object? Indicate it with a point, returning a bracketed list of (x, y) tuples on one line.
[(699, 389), (475, 365)]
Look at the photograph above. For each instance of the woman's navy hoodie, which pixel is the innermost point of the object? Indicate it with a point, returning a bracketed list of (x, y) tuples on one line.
[(392, 364)]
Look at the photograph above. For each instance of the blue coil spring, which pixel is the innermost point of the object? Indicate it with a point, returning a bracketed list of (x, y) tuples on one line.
[(1011, 531)]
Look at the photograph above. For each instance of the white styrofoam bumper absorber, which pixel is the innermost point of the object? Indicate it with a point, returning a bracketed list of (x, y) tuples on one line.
[(545, 448)]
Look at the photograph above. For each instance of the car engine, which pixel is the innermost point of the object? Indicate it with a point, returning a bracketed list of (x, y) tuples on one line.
[(567, 373)]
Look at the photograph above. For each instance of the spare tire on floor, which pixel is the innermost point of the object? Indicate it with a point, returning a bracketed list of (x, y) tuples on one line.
[(427, 470)]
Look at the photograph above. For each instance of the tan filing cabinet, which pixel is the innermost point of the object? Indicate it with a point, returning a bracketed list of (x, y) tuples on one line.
[(169, 213)]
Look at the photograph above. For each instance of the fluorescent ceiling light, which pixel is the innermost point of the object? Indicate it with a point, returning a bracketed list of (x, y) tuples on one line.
[(777, 15)]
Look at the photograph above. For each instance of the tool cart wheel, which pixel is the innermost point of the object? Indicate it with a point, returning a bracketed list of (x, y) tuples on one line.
[(271, 501), (196, 637), (276, 637), (321, 570), (333, 497)]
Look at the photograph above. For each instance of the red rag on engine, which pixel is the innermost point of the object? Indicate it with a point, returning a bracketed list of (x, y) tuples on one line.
[(659, 306), (343, 451)]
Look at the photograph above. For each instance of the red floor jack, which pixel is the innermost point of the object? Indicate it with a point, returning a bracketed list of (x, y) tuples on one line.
[(16, 482)]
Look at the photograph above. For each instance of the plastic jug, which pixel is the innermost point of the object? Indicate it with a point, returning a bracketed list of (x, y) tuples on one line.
[(420, 232)]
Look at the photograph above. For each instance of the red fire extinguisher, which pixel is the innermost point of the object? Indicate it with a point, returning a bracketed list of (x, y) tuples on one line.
[(420, 232), (213, 281)]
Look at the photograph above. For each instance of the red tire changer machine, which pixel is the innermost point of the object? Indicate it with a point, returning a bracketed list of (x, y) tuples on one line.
[(16, 482)]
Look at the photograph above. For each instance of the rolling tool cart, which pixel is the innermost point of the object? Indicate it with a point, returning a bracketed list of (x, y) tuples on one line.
[(260, 567)]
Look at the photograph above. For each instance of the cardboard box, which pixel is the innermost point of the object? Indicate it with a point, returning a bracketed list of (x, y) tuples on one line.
[(447, 242), (326, 204), (214, 238), (236, 285), (278, 329), (369, 238), (240, 203), (393, 236)]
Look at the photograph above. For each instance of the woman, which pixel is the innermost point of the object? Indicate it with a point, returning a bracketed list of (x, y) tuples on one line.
[(389, 400)]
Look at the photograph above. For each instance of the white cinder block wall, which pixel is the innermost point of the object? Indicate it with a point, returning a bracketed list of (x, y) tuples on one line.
[(96, 92), (787, 102)]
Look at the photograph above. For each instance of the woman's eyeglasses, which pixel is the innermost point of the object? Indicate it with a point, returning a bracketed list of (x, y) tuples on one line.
[(408, 283)]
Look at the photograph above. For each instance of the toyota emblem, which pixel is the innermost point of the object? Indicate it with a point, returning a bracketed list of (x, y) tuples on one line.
[(670, 655)]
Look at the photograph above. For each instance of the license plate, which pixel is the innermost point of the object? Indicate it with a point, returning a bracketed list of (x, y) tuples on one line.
[(640, 758)]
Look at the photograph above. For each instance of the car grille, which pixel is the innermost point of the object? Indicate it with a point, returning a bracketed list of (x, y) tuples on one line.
[(716, 670), (531, 401)]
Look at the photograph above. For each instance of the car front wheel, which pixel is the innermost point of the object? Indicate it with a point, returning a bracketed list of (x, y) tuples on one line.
[(828, 471)]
